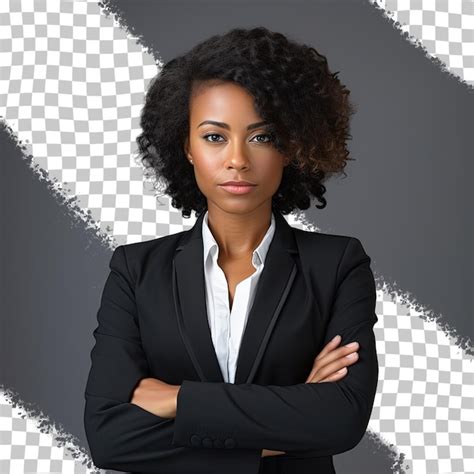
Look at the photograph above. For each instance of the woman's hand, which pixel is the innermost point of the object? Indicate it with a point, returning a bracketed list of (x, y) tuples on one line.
[(156, 396), (330, 364), (269, 452)]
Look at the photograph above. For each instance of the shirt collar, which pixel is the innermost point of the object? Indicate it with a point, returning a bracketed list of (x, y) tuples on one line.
[(259, 254)]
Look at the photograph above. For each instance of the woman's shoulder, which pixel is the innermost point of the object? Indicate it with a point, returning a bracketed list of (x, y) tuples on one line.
[(164, 246), (325, 241), (326, 251)]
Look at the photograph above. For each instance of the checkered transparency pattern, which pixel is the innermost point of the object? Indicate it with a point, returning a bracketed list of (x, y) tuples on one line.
[(72, 85), (24, 448), (445, 29), (425, 396)]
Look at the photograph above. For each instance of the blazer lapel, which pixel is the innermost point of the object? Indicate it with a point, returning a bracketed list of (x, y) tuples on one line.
[(189, 294)]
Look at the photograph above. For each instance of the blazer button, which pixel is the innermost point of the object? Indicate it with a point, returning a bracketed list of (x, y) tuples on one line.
[(207, 442), (196, 440), (229, 443), (218, 443)]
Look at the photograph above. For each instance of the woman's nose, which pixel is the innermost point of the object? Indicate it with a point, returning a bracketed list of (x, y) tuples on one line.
[(238, 157)]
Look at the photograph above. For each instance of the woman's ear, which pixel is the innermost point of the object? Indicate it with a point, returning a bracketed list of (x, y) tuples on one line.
[(186, 151)]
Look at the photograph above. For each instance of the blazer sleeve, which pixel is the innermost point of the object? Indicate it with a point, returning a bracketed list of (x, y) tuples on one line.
[(321, 418), (121, 435)]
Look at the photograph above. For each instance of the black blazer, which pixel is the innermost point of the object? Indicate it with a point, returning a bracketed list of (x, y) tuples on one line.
[(152, 322)]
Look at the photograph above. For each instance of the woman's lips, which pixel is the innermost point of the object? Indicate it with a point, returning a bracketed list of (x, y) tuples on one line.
[(237, 189)]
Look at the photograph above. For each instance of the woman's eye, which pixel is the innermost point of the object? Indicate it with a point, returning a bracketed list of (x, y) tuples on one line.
[(264, 135), (211, 135)]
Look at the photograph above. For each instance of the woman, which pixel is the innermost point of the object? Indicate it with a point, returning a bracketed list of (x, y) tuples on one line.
[(212, 343)]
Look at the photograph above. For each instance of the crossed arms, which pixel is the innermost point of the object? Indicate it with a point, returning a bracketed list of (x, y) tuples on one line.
[(314, 418)]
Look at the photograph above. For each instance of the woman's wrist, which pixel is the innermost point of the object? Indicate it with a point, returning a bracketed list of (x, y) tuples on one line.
[(175, 398), (270, 452)]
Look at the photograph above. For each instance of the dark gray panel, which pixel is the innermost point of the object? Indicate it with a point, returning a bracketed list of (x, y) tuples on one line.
[(53, 272)]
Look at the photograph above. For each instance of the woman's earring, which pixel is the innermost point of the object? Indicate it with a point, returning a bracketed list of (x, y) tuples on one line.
[(191, 161)]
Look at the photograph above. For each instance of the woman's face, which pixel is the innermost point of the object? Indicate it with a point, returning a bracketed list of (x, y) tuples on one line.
[(236, 146)]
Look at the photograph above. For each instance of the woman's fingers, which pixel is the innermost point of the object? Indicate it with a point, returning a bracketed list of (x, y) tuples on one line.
[(328, 348), (335, 376), (320, 373), (329, 362), (331, 345)]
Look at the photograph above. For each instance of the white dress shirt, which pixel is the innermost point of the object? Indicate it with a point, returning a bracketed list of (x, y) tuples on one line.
[(227, 327)]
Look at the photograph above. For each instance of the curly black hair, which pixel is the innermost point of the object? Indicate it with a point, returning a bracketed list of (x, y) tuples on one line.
[(306, 105)]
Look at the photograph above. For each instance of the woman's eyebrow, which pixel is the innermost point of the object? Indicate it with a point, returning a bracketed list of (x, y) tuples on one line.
[(226, 126)]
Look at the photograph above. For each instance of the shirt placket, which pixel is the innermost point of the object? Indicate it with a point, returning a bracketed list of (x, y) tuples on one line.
[(222, 315)]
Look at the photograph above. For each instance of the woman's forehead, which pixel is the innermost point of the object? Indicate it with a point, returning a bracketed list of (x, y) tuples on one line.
[(228, 103)]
